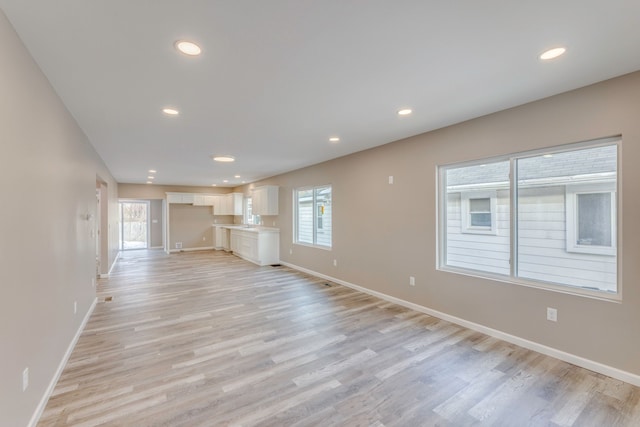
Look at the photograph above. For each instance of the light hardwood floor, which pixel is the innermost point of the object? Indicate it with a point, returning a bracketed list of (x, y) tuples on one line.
[(207, 339)]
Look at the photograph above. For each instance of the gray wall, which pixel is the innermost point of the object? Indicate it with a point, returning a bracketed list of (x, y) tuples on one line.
[(384, 233), (48, 248), (155, 228)]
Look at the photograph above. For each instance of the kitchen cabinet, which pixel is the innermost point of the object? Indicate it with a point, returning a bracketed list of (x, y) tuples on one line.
[(184, 198), (203, 200), (222, 238), (260, 246), (228, 204), (265, 200)]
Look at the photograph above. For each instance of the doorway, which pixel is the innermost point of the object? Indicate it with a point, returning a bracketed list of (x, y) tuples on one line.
[(134, 225)]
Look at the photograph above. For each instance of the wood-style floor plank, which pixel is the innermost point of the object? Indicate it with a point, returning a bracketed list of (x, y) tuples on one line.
[(207, 339)]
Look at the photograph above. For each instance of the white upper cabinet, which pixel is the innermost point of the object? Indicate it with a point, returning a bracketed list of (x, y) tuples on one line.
[(185, 198), (203, 200), (227, 204), (265, 200), (223, 204)]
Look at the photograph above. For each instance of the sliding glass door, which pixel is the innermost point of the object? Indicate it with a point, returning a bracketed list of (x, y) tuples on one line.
[(134, 225)]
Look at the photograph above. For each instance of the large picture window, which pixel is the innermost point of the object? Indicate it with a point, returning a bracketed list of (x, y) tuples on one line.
[(313, 216), (545, 219)]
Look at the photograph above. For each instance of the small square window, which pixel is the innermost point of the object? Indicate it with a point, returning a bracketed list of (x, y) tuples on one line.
[(479, 212), (591, 219)]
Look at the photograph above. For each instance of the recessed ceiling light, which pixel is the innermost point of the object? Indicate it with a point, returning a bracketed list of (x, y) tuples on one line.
[(225, 180), (152, 171), (334, 139), (170, 111), (552, 53), (150, 177), (149, 182), (547, 156), (214, 185), (236, 176), (405, 112), (244, 182), (224, 158), (188, 48)]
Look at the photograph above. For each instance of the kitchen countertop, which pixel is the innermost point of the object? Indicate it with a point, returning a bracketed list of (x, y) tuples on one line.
[(250, 228)]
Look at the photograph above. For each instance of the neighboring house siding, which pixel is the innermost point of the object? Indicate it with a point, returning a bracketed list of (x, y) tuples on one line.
[(324, 233), (542, 242), (483, 252), (305, 222)]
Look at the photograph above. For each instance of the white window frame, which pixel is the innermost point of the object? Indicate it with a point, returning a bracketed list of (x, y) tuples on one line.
[(512, 277), (248, 217), (572, 192), (315, 243), (465, 211)]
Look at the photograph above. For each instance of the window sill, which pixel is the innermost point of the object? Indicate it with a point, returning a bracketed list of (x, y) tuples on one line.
[(310, 245), (563, 289)]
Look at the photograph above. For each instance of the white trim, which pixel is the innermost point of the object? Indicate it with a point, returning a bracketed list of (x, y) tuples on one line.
[(52, 385), (104, 276), (571, 194), (601, 368), (206, 248), (465, 212)]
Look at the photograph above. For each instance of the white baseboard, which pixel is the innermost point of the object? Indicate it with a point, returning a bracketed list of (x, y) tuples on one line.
[(601, 368), (52, 385), (113, 264), (206, 248)]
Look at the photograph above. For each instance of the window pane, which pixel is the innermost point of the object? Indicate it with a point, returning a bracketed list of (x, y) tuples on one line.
[(248, 213), (484, 252), (594, 219), (545, 207), (323, 216), (481, 219), (480, 205), (304, 216)]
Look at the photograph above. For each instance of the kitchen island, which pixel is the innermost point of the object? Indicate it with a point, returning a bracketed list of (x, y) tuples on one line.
[(260, 245)]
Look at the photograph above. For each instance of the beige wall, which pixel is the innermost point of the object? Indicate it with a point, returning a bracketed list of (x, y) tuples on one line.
[(152, 191), (191, 225), (48, 248), (385, 233)]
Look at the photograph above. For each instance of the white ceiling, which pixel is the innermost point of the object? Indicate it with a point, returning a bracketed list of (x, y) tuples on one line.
[(277, 78)]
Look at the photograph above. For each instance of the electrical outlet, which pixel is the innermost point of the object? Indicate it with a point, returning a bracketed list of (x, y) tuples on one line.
[(335, 262), (290, 251), (204, 238), (412, 281), (178, 245), (552, 314), (25, 379), (273, 223), (75, 307), (390, 179)]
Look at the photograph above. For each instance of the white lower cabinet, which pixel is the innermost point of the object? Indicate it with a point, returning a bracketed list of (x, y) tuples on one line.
[(222, 238), (257, 246)]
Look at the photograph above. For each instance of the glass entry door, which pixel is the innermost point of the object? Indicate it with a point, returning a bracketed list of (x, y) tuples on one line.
[(134, 225)]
